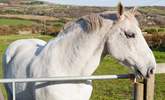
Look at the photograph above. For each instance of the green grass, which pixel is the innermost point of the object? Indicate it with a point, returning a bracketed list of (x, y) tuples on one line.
[(13, 22), (103, 90), (160, 56)]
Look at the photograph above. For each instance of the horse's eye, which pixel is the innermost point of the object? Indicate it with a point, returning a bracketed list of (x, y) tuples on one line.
[(129, 34)]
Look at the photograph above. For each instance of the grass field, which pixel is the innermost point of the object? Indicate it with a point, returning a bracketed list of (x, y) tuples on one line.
[(6, 21), (103, 90)]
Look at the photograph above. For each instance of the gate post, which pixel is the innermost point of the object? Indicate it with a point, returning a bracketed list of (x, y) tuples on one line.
[(144, 90), (149, 85), (138, 91)]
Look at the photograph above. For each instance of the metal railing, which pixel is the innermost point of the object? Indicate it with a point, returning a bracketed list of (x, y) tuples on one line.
[(63, 79), (142, 90)]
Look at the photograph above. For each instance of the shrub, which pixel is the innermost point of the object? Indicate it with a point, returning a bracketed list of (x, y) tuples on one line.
[(156, 41)]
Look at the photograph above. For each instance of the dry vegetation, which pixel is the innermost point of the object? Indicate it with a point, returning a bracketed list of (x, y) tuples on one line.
[(156, 41)]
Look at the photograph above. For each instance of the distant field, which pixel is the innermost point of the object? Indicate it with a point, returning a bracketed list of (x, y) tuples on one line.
[(28, 17), (153, 10), (6, 21), (3, 1), (155, 30), (103, 90)]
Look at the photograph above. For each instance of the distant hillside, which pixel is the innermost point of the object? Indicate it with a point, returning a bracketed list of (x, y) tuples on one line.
[(148, 16), (152, 16), (20, 2), (3, 1)]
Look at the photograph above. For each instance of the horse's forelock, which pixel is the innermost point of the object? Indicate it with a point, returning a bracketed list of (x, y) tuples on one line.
[(129, 16), (132, 18)]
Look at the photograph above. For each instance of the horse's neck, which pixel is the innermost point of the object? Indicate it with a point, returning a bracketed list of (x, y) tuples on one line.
[(74, 54)]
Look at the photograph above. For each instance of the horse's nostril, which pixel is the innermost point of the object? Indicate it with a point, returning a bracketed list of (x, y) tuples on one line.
[(150, 72)]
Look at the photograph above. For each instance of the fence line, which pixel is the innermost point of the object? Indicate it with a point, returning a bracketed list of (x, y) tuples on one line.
[(143, 90), (64, 79), (70, 78)]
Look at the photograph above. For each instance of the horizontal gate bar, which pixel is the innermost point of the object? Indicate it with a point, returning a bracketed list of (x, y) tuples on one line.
[(70, 78)]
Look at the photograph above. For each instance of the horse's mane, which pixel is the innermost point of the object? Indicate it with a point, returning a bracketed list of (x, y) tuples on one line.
[(88, 23)]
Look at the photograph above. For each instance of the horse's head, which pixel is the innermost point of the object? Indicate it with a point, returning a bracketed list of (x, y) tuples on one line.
[(127, 44)]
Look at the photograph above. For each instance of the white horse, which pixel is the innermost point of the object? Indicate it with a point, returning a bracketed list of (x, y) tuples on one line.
[(77, 52)]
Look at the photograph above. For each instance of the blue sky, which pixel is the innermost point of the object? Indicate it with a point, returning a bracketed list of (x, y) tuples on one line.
[(109, 2)]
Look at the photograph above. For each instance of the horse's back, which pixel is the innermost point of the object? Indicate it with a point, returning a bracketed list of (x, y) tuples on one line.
[(17, 58), (21, 46)]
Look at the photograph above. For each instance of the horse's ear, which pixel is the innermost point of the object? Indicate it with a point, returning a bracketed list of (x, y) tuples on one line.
[(120, 9), (134, 11)]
